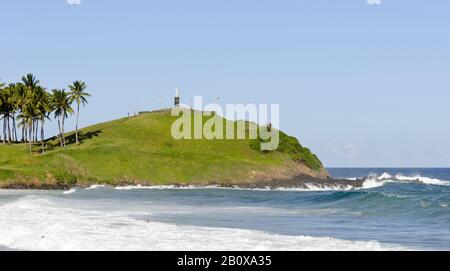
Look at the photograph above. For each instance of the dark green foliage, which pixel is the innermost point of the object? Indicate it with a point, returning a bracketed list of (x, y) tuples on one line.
[(64, 179), (291, 146), (27, 105)]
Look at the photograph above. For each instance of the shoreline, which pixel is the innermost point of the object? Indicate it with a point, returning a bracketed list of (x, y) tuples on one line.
[(299, 182)]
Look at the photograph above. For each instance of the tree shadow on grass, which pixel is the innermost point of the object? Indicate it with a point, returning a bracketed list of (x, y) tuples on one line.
[(71, 139), (53, 143)]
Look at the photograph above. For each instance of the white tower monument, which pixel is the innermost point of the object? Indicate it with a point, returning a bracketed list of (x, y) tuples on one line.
[(177, 98)]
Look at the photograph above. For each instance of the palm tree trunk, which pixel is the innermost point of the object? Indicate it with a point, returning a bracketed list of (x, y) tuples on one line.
[(24, 134), (13, 117), (15, 127), (59, 129), (9, 131), (4, 130), (36, 131), (63, 139), (31, 132), (31, 135), (6, 127), (42, 136), (76, 126)]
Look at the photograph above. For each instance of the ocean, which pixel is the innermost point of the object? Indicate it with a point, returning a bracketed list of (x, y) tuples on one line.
[(397, 209)]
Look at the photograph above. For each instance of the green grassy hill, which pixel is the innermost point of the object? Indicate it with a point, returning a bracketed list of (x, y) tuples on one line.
[(141, 150)]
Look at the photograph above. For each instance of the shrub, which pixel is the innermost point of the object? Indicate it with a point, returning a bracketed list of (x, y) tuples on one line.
[(291, 146)]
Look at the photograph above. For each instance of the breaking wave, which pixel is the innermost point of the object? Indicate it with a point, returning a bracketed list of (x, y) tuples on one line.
[(95, 186), (370, 182), (374, 181), (32, 223), (70, 191), (307, 187)]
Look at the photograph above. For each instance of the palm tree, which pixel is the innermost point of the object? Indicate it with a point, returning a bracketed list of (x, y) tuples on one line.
[(20, 101), (1, 102), (26, 121), (61, 106), (43, 109), (78, 95), (13, 99), (30, 104), (30, 81), (6, 109), (12, 88), (31, 84)]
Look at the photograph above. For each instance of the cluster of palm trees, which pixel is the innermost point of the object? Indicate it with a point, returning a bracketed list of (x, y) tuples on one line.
[(26, 106)]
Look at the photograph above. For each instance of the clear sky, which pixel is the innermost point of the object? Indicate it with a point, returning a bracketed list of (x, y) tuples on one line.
[(360, 84)]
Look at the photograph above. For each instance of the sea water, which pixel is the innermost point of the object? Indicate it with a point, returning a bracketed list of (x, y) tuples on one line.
[(397, 209)]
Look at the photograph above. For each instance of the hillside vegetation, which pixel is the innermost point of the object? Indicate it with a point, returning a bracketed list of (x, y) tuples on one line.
[(141, 150)]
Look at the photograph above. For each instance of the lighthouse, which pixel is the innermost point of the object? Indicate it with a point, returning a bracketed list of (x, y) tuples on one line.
[(177, 98)]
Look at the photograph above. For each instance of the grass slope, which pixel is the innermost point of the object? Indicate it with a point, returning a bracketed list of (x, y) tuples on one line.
[(141, 150)]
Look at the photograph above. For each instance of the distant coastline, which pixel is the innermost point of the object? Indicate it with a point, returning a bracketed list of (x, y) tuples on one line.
[(299, 182)]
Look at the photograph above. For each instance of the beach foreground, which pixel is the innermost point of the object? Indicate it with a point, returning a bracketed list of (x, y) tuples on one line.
[(387, 214)]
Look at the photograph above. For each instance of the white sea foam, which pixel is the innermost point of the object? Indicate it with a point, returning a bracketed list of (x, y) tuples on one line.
[(308, 187), (424, 180), (33, 223), (73, 190), (372, 181), (164, 187), (318, 188), (95, 186), (351, 179), (384, 176)]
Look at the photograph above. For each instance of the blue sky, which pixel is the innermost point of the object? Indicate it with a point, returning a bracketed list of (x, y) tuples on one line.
[(362, 85)]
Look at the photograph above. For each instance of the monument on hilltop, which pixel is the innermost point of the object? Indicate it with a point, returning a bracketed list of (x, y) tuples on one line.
[(177, 98)]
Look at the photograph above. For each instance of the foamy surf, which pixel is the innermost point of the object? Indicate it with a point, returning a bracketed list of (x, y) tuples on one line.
[(164, 187), (307, 187), (370, 182), (95, 186), (70, 191), (424, 180), (34, 224), (374, 181)]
